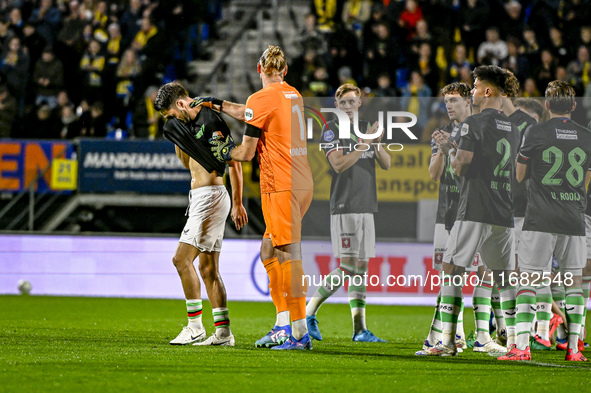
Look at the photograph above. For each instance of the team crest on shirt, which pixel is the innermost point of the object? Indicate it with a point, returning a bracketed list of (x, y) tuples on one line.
[(346, 242), (248, 114), (328, 136), (217, 135), (465, 129)]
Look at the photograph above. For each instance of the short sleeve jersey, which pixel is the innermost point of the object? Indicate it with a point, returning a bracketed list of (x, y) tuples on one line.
[(522, 120), (206, 125), (447, 183), (354, 189), (485, 193), (558, 153), (283, 156)]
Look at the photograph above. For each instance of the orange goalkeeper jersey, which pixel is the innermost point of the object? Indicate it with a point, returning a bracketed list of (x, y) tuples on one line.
[(283, 156)]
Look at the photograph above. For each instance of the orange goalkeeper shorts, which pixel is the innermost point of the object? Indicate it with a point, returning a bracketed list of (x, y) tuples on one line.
[(283, 212)]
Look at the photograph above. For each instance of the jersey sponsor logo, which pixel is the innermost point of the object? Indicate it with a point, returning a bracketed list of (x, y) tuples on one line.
[(248, 114), (503, 125), (201, 131), (290, 94), (566, 134), (465, 129), (299, 151), (328, 136), (346, 242)]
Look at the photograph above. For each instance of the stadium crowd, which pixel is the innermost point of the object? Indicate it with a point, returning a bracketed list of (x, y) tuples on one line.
[(70, 69), (83, 67)]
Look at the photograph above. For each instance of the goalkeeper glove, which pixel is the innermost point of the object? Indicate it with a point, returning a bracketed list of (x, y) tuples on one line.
[(222, 149), (209, 102)]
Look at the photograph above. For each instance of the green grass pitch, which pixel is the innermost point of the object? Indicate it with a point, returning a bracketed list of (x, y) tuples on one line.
[(58, 344)]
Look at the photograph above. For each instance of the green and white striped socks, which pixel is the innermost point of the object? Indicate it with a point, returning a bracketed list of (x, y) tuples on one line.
[(586, 289), (194, 311), (221, 320), (558, 295), (434, 335), (526, 310), (481, 300), (544, 311), (451, 302), (508, 295), (574, 315), (332, 282), (357, 296), (495, 302)]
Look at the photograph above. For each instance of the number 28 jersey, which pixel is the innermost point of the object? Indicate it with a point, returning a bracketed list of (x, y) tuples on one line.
[(283, 156), (558, 153), (485, 192)]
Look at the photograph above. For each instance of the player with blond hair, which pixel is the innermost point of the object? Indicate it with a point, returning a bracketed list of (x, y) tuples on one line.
[(352, 226), (274, 131)]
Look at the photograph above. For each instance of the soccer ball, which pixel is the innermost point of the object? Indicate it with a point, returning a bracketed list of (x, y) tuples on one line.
[(24, 287)]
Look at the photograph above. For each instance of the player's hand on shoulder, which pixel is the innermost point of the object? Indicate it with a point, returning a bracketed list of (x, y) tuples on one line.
[(209, 102), (222, 148)]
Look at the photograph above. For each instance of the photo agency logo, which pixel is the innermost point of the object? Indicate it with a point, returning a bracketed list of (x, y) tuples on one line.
[(350, 130)]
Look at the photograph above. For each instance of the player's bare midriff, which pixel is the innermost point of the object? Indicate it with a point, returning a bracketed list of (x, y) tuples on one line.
[(201, 178)]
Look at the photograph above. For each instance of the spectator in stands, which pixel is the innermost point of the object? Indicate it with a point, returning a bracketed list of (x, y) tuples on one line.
[(572, 14), (154, 52), (382, 56), (421, 37), (48, 78), (8, 109), (43, 125), (70, 126), (493, 50), (62, 100), (473, 19), (530, 48), (530, 89), (98, 122), (466, 76), (545, 71), (346, 76), (409, 18), (128, 72), (355, 14), (33, 42), (325, 11), (311, 37), (515, 62), (146, 121), (378, 15), (92, 66), (343, 51), (459, 60), (560, 50), (300, 72), (319, 85), (427, 67), (511, 24), (385, 88), (130, 21), (46, 18), (561, 74), (416, 98), (6, 33), (16, 21), (585, 37), (579, 70), (14, 68)]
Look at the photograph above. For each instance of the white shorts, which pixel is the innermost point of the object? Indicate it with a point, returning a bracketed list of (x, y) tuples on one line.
[(538, 247), (353, 235), (517, 231), (495, 244), (439, 241), (588, 232), (208, 209)]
